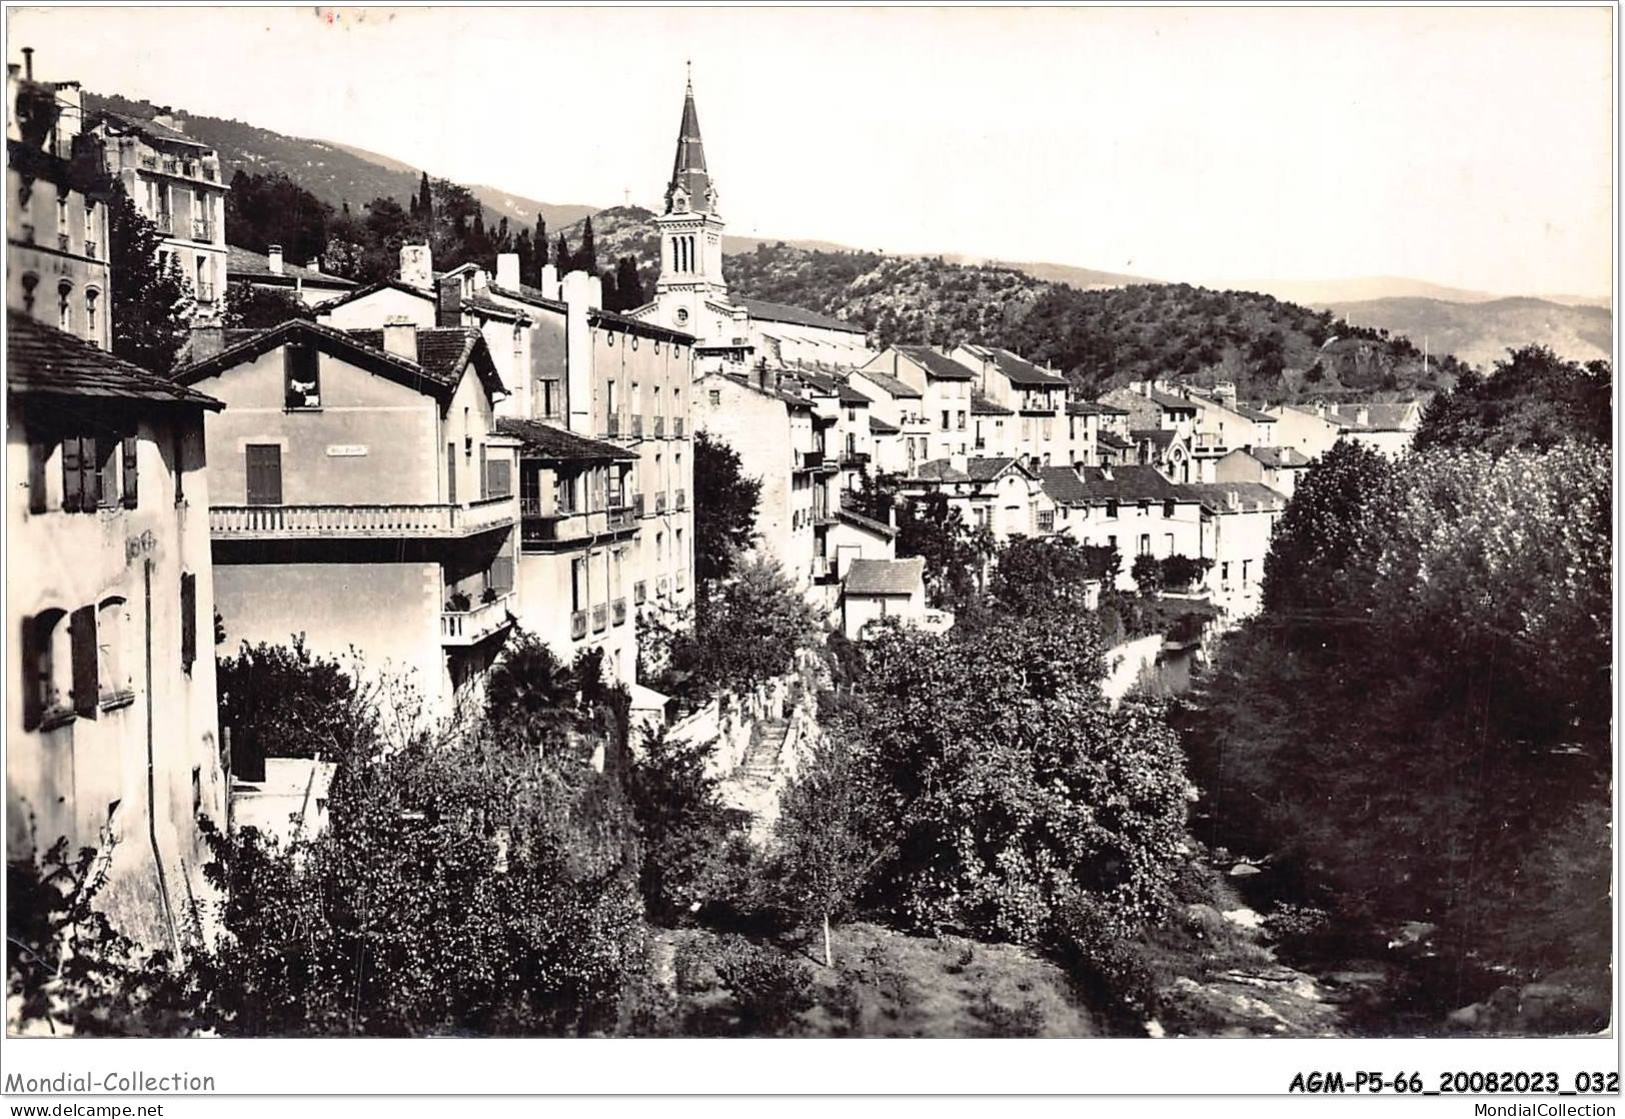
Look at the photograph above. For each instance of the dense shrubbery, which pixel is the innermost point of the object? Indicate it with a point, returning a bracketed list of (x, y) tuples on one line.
[(1532, 399), (1419, 719)]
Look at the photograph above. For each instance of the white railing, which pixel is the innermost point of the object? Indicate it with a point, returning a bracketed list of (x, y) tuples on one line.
[(276, 521), (465, 627)]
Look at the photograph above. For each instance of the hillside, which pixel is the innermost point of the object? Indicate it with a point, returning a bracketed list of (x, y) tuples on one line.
[(335, 173), (1481, 333), (1361, 289)]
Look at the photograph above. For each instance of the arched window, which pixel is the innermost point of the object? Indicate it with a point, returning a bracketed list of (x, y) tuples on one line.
[(91, 327), (47, 660), (116, 684), (64, 308), (30, 282)]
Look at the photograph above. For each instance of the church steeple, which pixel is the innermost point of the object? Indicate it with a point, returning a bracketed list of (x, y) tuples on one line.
[(690, 190)]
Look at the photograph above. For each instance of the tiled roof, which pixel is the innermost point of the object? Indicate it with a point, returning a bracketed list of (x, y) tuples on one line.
[(987, 469), (868, 523), (1020, 371), (797, 316), (41, 360), (822, 383), (935, 364), (790, 398), (527, 294), (878, 426), (555, 444), (151, 128), (1175, 403), (1279, 456), (630, 325), (1090, 485), (1093, 408), (976, 470), (1113, 440), (443, 354), (850, 395), (1237, 497), (247, 264), (1158, 436), (1258, 417), (938, 470), (891, 384), (370, 289), (982, 406), (1379, 417), (886, 577)]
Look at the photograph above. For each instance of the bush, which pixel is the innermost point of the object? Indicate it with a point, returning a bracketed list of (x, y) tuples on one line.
[(1147, 574), (767, 989)]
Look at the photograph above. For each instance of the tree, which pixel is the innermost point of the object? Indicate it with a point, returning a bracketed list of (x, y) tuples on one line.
[(725, 502), (824, 832), (587, 259), (284, 701), (628, 285), (1146, 573), (929, 526), (256, 308), (540, 241), (1532, 399), (151, 303), (425, 204), (680, 823), (1033, 573), (272, 209), (747, 632), (562, 259)]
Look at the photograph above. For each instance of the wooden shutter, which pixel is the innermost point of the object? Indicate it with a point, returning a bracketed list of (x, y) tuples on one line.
[(106, 461), (73, 480), (451, 473), (132, 445), (38, 453), (500, 473), (264, 474), (188, 620), (501, 575), (35, 646), (485, 474), (82, 632)]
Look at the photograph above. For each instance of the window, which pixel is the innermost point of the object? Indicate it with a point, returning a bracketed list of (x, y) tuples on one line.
[(1111, 542), (451, 473), (264, 473), (62, 217), (565, 499), (30, 282), (85, 654), (945, 419), (46, 655), (115, 687), (39, 455), (468, 430), (550, 404), (660, 549), (962, 421), (301, 375), (1224, 574), (716, 397), (609, 396), (107, 456), (1111, 509), (64, 309), (1168, 544), (178, 465), (1245, 564), (1144, 507), (188, 620), (500, 577), (1168, 508), (90, 315), (79, 477), (1145, 543), (578, 584), (1046, 520)]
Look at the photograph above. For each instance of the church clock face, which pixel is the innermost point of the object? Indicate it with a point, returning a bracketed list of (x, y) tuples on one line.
[(682, 315)]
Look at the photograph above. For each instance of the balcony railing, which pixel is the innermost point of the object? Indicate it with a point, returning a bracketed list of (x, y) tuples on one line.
[(539, 529), (677, 426), (620, 611), (660, 503), (468, 627), (613, 426), (662, 586), (600, 618), (637, 427), (578, 624), (1208, 441), (640, 592), (291, 522), (660, 427), (860, 458), (621, 516), (809, 460), (202, 229), (682, 499)]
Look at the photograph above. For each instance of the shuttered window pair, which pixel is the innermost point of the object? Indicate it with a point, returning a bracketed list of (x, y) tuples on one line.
[(60, 677), (93, 468)]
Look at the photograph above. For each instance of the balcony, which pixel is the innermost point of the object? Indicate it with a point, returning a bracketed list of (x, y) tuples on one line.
[(471, 626), (202, 229), (612, 427), (358, 522), (682, 499), (640, 592), (637, 427), (600, 618), (660, 503), (856, 459), (677, 426), (621, 516), (556, 531), (1209, 443), (578, 624), (660, 427), (620, 611), (165, 223)]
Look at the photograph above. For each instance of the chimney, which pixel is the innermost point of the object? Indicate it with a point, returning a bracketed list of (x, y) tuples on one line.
[(550, 282), (417, 267), (206, 341), (401, 337), (274, 252), (508, 271), (448, 301), (1225, 391), (28, 63), (578, 350), (315, 265), (595, 293)]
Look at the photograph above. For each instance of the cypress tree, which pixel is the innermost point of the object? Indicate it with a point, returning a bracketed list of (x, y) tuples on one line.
[(588, 260), (425, 208), (628, 285), (540, 239), (561, 255)]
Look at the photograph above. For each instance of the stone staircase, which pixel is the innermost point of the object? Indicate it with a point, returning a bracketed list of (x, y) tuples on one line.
[(750, 788)]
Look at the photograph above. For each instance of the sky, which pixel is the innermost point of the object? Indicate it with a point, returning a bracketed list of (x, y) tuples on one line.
[(1471, 147)]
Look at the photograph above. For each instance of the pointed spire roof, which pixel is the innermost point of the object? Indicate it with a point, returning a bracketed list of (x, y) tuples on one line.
[(688, 174)]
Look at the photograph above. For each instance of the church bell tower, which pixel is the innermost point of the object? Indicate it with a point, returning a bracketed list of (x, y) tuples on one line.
[(690, 232)]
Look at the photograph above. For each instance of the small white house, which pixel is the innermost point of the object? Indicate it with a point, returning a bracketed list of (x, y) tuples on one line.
[(876, 588)]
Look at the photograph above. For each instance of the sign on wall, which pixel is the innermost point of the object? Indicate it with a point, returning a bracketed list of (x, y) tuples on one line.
[(346, 450)]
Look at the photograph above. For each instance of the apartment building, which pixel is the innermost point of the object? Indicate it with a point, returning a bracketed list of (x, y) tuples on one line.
[(944, 387), (1133, 509), (362, 496)]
